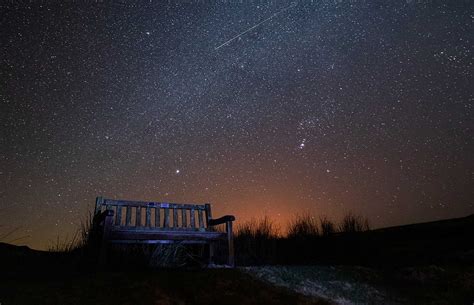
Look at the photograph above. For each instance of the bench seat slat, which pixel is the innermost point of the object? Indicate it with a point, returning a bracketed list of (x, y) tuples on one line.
[(165, 235), (157, 241), (179, 229)]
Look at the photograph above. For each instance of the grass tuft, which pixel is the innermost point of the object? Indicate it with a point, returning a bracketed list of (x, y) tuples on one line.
[(304, 226), (255, 241), (352, 223), (328, 227)]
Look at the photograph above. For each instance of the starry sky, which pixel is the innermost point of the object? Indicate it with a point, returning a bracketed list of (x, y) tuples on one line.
[(259, 107)]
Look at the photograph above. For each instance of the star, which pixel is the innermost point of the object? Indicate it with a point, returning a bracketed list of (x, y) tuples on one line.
[(234, 102), (302, 144)]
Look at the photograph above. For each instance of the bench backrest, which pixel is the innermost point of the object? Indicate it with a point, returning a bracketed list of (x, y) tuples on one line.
[(156, 215)]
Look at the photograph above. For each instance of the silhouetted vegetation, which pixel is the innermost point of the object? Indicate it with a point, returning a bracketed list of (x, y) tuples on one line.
[(303, 226), (351, 241), (255, 241), (436, 256), (307, 240), (327, 226), (352, 223), (11, 236)]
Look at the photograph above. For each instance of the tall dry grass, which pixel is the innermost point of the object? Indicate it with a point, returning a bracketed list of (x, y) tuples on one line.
[(11, 237), (81, 250), (255, 241), (303, 226), (352, 223), (327, 226), (263, 228), (308, 238), (307, 225)]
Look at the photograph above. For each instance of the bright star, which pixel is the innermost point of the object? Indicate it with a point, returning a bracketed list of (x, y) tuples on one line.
[(302, 144)]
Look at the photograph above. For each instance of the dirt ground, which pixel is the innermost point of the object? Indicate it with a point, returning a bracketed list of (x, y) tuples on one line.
[(163, 287), (38, 277), (283, 285)]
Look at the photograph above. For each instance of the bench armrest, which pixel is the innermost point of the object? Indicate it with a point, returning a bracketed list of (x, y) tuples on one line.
[(99, 218), (223, 219)]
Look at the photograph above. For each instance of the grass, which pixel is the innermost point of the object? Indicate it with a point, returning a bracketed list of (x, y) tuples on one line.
[(327, 226), (66, 245), (353, 223), (308, 240), (260, 242), (256, 241), (407, 258), (303, 226), (10, 236)]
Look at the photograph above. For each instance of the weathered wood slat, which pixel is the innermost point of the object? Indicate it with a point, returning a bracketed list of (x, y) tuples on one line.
[(175, 218), (143, 228), (184, 219), (157, 241), (166, 235), (118, 219), (138, 218), (148, 217), (191, 218), (201, 219), (166, 222), (128, 217), (154, 204), (157, 218)]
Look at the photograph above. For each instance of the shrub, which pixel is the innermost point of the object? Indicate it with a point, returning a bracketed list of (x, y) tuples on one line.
[(255, 241), (327, 226), (352, 223), (303, 226)]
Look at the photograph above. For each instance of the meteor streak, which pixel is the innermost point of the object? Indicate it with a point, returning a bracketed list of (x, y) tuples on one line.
[(258, 24)]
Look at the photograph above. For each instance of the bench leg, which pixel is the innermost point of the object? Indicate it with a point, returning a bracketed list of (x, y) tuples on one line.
[(230, 244), (103, 254), (211, 253), (108, 222)]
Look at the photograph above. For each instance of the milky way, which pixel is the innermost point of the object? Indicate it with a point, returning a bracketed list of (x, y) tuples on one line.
[(332, 106)]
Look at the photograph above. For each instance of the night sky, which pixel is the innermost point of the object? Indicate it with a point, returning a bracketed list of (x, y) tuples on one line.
[(259, 107)]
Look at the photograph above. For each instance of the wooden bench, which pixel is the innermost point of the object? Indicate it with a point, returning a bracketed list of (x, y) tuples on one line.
[(123, 221)]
